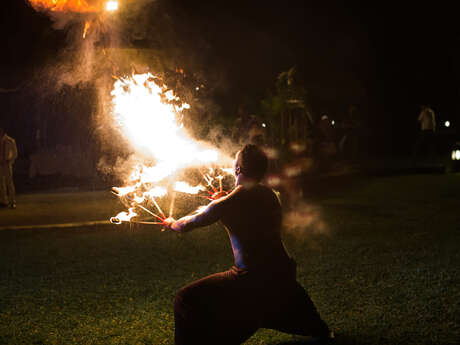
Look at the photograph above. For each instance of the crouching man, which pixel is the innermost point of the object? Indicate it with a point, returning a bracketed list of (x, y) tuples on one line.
[(260, 290)]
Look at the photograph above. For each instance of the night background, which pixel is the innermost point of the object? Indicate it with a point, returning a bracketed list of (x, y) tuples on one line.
[(373, 227), (387, 58)]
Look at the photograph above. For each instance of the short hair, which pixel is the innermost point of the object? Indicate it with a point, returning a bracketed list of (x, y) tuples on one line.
[(254, 162)]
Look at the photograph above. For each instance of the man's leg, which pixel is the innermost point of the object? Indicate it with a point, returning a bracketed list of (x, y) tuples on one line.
[(3, 190), (298, 315), (431, 143), (418, 147), (209, 311), (11, 191)]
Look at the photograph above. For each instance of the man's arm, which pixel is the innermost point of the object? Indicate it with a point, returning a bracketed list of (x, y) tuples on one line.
[(15, 151), (420, 116), (206, 216), (11, 150)]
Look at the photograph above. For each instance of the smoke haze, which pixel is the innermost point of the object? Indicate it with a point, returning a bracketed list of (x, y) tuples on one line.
[(305, 220)]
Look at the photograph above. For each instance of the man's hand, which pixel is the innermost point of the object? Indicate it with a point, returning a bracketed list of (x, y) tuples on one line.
[(218, 195), (169, 224)]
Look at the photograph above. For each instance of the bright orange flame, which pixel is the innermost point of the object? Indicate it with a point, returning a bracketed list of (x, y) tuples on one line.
[(148, 114), (123, 216), (80, 6), (111, 5), (184, 187)]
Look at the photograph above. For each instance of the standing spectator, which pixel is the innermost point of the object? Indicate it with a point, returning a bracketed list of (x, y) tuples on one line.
[(8, 154), (426, 139), (325, 145), (349, 143), (326, 135)]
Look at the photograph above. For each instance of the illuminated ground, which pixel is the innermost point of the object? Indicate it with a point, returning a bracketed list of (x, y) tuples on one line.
[(56, 207), (386, 272)]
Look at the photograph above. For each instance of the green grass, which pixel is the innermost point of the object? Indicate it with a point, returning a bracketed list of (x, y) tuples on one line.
[(60, 207), (384, 270)]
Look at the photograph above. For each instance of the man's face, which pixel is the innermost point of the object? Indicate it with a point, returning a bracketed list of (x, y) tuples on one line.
[(236, 164)]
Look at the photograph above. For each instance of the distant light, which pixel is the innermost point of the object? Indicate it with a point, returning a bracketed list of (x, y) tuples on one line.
[(333, 122), (447, 123), (456, 155), (264, 125), (197, 88), (111, 5)]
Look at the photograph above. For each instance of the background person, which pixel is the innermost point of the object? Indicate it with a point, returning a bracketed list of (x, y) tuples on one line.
[(426, 138), (8, 154), (260, 290)]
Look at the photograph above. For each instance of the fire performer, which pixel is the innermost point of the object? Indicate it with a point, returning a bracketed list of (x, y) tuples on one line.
[(260, 290), (8, 154)]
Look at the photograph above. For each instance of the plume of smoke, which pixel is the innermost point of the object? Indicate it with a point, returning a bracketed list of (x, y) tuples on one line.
[(89, 34), (305, 220), (92, 60), (219, 138), (120, 167)]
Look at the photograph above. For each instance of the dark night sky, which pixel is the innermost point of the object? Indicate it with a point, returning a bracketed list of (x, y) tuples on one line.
[(388, 57)]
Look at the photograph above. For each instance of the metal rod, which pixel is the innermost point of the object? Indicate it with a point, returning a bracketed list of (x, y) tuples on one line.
[(158, 208), (171, 206), (149, 212)]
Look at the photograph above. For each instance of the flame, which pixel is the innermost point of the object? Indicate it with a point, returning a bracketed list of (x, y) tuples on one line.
[(122, 191), (228, 171), (156, 192), (184, 187), (111, 5), (149, 115), (80, 6), (123, 216), (86, 28)]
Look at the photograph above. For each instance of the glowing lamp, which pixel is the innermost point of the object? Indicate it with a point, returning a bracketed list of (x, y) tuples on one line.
[(456, 155), (264, 125), (111, 5), (333, 122), (447, 124)]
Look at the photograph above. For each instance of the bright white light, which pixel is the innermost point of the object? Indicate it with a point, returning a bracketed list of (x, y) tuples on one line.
[(264, 125), (447, 124), (111, 5), (152, 127), (333, 122), (197, 88), (456, 155)]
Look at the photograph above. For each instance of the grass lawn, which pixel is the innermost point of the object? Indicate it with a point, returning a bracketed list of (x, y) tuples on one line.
[(60, 207), (379, 256)]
